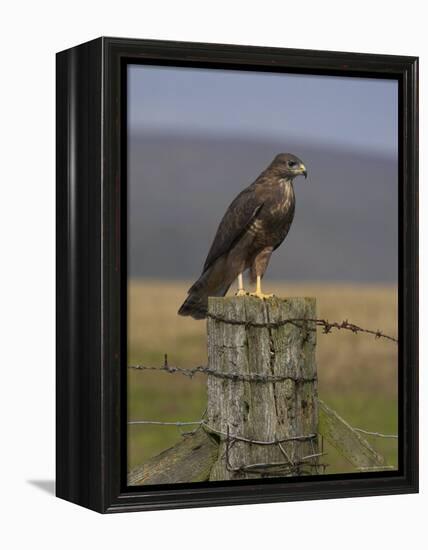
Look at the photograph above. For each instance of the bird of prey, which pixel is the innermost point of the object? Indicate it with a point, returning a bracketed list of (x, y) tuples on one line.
[(254, 225)]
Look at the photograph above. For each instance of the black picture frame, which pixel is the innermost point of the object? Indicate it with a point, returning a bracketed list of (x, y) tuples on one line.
[(91, 271)]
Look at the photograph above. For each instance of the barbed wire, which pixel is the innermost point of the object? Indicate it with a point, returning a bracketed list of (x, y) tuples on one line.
[(160, 423), (190, 372), (236, 437), (257, 377), (290, 466), (326, 325), (235, 376)]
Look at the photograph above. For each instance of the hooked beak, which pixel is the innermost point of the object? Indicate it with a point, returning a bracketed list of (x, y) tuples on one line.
[(304, 171)]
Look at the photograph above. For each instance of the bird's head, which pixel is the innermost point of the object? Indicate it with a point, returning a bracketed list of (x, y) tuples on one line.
[(287, 165)]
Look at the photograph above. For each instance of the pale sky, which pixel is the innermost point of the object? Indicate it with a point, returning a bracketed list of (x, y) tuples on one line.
[(347, 112)]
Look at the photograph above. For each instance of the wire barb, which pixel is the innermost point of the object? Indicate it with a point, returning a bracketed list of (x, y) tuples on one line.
[(322, 323), (234, 376)]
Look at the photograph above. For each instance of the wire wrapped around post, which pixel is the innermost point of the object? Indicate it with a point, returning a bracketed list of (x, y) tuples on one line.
[(271, 391)]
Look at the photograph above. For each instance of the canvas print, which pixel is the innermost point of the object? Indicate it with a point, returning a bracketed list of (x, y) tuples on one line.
[(262, 276)]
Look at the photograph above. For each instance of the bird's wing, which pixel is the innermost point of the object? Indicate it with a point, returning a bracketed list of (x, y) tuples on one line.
[(241, 212)]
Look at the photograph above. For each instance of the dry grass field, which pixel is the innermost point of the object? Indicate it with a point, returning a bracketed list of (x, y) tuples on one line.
[(357, 374)]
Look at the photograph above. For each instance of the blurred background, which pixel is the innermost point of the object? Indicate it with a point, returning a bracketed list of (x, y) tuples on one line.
[(195, 139)]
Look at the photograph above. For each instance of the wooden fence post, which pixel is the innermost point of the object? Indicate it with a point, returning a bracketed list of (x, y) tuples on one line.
[(263, 386), (263, 415)]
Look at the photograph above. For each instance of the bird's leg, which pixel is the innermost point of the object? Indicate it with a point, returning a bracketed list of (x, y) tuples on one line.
[(258, 268), (241, 291), (258, 293)]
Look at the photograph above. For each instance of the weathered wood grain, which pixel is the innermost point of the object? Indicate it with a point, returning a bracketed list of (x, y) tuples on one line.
[(262, 410), (189, 460), (348, 442)]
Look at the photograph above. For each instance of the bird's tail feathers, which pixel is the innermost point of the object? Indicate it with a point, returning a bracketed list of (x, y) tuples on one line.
[(195, 306), (196, 303)]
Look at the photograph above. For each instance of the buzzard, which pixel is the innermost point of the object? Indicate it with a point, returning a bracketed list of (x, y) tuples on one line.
[(254, 225)]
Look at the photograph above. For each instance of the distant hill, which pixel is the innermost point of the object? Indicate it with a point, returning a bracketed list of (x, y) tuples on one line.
[(345, 227)]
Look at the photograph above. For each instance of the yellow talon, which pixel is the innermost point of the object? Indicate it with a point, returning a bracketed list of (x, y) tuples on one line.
[(241, 292), (258, 293)]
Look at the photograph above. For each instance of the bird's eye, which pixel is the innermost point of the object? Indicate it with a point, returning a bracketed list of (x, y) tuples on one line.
[(291, 163)]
